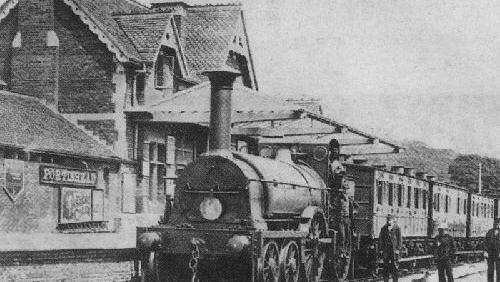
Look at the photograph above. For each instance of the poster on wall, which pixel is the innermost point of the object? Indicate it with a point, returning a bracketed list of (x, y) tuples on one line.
[(98, 205), (13, 178), (76, 205)]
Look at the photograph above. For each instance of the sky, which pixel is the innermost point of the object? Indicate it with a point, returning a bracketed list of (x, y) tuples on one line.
[(426, 70), (418, 70)]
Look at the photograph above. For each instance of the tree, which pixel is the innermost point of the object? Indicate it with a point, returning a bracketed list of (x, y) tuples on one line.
[(464, 171)]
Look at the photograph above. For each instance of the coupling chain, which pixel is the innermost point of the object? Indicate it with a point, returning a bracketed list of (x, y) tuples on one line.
[(193, 262)]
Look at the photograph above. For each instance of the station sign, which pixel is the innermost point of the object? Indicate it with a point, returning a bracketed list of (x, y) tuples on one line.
[(67, 176)]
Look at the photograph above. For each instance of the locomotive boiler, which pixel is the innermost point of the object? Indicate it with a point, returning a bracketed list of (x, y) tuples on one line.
[(240, 217)]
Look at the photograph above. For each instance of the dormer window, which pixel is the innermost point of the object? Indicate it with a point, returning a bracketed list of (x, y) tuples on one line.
[(164, 70)]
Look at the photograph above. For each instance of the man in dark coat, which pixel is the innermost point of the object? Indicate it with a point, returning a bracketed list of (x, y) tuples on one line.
[(492, 248), (390, 242), (444, 253)]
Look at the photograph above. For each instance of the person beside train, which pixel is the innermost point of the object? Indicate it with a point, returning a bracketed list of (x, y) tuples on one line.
[(492, 248), (390, 242), (444, 253)]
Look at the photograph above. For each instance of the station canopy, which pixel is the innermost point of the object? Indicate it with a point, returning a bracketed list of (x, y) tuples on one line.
[(269, 119)]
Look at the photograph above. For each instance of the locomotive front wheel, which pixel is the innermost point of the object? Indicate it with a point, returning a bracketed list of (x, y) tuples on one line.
[(314, 252), (289, 262), (270, 262)]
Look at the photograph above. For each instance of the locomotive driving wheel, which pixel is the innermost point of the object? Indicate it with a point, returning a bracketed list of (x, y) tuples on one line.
[(290, 263), (270, 262), (314, 250)]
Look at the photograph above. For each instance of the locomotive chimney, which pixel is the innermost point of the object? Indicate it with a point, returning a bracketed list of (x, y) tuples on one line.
[(221, 81)]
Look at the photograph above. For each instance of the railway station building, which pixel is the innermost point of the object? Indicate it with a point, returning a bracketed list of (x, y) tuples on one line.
[(118, 93)]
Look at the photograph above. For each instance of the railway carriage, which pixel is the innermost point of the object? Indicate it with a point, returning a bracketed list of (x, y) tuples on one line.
[(380, 192), (449, 205), (420, 204)]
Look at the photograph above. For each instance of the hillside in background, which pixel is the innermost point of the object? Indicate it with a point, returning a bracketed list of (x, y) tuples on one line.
[(421, 157), (465, 171)]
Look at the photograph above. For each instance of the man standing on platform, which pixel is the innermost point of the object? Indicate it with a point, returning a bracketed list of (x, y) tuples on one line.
[(444, 253), (492, 248), (390, 242)]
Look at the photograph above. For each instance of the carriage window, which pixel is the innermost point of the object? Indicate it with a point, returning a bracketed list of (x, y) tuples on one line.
[(465, 206), (458, 205), (424, 200), (400, 195), (436, 201), (416, 198), (477, 209), (380, 193), (408, 204), (391, 193)]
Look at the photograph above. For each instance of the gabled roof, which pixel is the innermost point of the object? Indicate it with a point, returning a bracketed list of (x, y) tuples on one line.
[(145, 31), (133, 32), (205, 35), (98, 16), (27, 124)]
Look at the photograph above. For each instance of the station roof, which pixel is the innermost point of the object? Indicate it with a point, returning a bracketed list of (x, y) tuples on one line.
[(26, 123), (268, 118)]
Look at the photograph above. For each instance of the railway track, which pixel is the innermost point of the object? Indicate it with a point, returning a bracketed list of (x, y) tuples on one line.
[(416, 263)]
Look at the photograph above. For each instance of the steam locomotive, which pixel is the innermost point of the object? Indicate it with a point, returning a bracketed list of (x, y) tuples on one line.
[(240, 217)]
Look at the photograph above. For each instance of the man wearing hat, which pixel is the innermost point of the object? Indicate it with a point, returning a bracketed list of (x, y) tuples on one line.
[(444, 253), (492, 248), (390, 242)]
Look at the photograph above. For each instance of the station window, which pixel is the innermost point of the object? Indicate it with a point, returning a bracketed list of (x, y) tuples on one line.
[(164, 71), (391, 194), (400, 195), (458, 205), (424, 200), (465, 206), (408, 203), (446, 203), (380, 192)]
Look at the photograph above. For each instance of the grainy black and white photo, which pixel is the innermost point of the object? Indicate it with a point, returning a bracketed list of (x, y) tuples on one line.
[(249, 140)]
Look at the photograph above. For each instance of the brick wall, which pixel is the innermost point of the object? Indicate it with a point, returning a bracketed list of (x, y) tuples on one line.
[(7, 33), (86, 66), (104, 129), (34, 64)]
